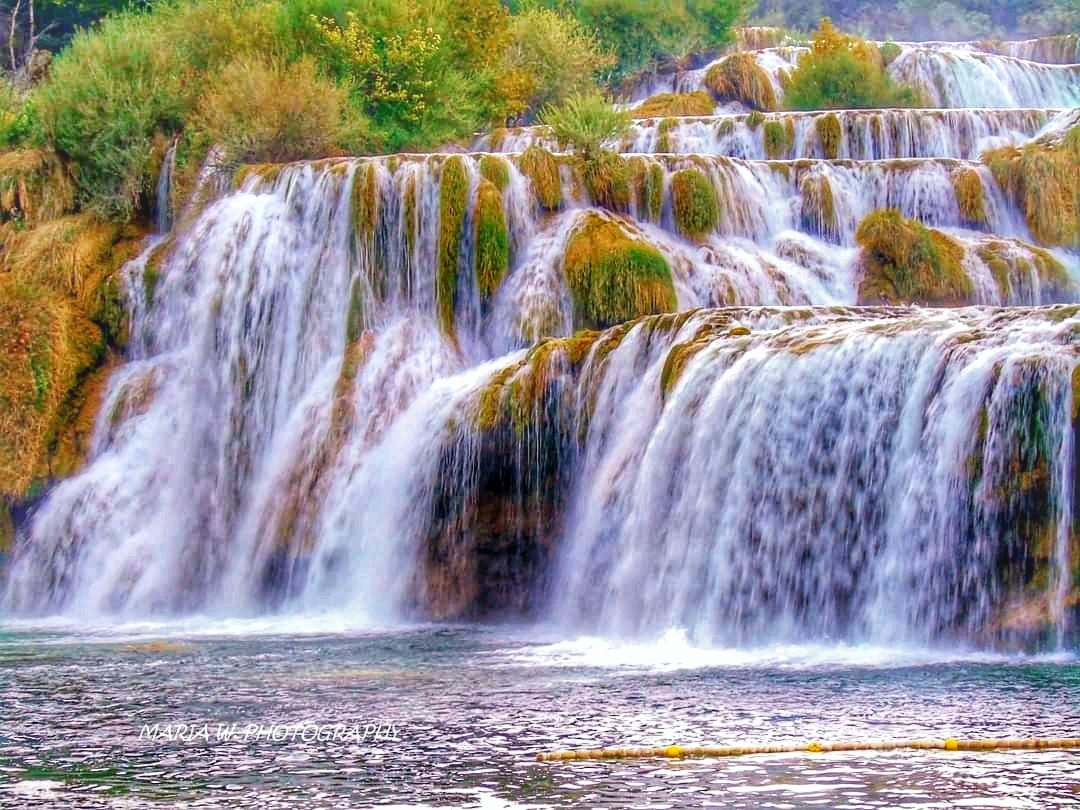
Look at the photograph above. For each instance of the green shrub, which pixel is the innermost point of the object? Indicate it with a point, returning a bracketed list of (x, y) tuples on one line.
[(844, 72), (584, 121), (263, 112), (694, 203)]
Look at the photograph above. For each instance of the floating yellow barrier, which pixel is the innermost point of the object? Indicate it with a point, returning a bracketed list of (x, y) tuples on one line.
[(687, 752)]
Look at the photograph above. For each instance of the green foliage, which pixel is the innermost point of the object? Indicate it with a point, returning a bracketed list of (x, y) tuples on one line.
[(843, 72), (542, 169), (584, 122), (645, 34), (261, 112), (548, 57)]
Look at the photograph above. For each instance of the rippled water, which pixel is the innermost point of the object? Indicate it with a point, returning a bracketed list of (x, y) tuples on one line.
[(471, 708)]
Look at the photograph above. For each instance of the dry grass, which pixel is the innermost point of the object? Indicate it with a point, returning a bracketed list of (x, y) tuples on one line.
[(740, 78), (664, 105)]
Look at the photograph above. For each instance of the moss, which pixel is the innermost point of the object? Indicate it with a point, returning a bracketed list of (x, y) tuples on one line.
[(496, 170), (663, 135), (408, 213), (725, 127), (969, 197), (697, 104), (740, 78), (694, 203), (1043, 180), (905, 262), (453, 202), (74, 428), (647, 180), (7, 528), (778, 139), (614, 275), (491, 239), (754, 120), (542, 169), (365, 201), (1012, 263), (889, 52), (829, 134), (818, 209), (607, 180)]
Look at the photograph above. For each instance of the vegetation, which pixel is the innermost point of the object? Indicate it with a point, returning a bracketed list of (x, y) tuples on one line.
[(925, 19), (843, 72), (779, 137), (585, 122), (542, 169), (1043, 180), (453, 201), (818, 212), (615, 275), (903, 261), (492, 241), (969, 197), (694, 203), (740, 78), (698, 103)]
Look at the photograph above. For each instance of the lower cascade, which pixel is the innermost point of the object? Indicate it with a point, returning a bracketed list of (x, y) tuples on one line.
[(312, 420)]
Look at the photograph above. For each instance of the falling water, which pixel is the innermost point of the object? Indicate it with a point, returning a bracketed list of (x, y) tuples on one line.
[(324, 409)]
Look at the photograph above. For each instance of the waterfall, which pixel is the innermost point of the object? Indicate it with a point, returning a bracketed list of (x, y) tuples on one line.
[(163, 200), (494, 385)]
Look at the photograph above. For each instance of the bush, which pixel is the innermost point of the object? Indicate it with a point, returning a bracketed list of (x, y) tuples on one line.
[(664, 105), (584, 121), (740, 78), (548, 57), (264, 112), (694, 203), (844, 72)]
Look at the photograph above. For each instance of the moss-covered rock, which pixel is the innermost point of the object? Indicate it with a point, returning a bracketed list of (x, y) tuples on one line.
[(614, 275), (1017, 266), (694, 203), (830, 135), (607, 180), (495, 169), (697, 104), (779, 137), (453, 202), (1043, 180), (968, 188), (491, 239), (542, 169), (818, 206), (740, 78), (905, 262), (647, 184), (365, 200)]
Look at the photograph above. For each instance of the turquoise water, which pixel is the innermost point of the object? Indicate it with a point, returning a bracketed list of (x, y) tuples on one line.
[(462, 713)]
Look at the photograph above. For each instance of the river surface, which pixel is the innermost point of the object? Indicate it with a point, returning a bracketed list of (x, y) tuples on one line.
[(449, 716)]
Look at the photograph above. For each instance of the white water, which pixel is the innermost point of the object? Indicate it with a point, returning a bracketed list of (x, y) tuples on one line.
[(296, 431)]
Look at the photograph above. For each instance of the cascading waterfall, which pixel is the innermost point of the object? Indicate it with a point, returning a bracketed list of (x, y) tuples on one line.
[(343, 394)]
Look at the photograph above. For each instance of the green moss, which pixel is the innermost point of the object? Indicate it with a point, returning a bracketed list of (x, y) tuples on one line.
[(778, 139), (969, 197), (614, 275), (694, 203), (663, 135), (818, 212), (830, 135), (542, 168), (1012, 263), (365, 200), (754, 120), (495, 169), (697, 104), (905, 262), (492, 241), (408, 213), (647, 180), (453, 200), (740, 78), (607, 179)]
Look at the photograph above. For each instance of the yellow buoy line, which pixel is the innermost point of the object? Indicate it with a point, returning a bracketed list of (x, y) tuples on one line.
[(685, 752)]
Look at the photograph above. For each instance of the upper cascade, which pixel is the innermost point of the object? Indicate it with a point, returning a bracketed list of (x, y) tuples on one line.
[(948, 75), (845, 134)]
